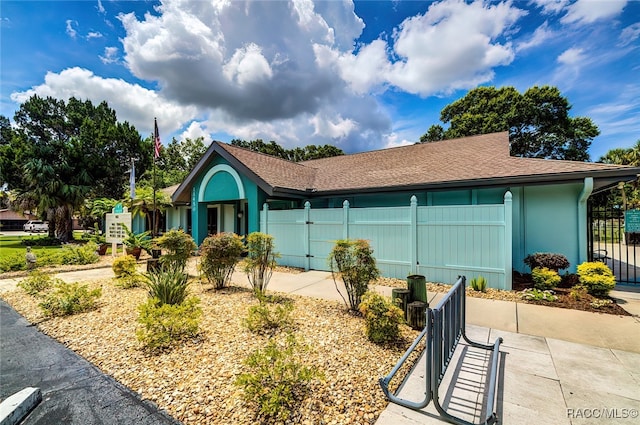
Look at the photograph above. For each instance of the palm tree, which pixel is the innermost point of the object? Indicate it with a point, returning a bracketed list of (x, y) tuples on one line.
[(57, 196), (143, 205)]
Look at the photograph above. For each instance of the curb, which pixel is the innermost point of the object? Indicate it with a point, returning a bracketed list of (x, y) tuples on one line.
[(14, 408)]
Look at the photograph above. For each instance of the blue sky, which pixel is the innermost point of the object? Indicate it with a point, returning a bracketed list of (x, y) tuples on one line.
[(358, 75)]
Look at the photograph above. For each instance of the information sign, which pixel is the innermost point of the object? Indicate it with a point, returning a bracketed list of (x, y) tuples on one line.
[(115, 222), (632, 221)]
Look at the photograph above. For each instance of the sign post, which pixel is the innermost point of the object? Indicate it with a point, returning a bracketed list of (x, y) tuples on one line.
[(115, 226)]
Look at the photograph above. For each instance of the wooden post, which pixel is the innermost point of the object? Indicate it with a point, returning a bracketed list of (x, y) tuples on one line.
[(416, 317), (400, 298)]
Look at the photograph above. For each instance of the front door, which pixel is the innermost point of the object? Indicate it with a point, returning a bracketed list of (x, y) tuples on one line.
[(212, 221)]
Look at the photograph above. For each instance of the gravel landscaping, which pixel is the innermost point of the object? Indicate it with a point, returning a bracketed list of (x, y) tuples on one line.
[(194, 382)]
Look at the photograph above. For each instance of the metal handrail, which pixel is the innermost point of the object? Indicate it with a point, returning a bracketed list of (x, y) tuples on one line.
[(445, 325)]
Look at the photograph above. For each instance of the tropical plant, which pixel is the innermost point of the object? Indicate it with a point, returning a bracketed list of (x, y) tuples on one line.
[(136, 241), (354, 261), (165, 324), (142, 205), (277, 379), (168, 286), (544, 278), (597, 278), (179, 246), (382, 317), (260, 261), (69, 298), (37, 282), (479, 284), (266, 317), (219, 255)]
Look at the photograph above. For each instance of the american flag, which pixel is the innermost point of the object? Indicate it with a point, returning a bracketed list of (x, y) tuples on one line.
[(156, 138)]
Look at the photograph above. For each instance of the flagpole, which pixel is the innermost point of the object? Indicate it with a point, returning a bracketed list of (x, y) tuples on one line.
[(155, 150)]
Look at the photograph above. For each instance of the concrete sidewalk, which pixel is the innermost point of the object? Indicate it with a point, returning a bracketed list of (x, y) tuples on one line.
[(556, 363)]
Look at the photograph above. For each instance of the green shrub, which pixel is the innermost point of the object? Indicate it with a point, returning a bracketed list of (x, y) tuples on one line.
[(165, 324), (13, 262), (78, 254), (219, 255), (354, 261), (544, 278), (178, 246), (538, 295), (578, 292), (168, 286), (479, 284), (125, 271), (37, 282), (597, 278), (70, 298), (266, 317), (124, 265), (260, 261), (41, 241), (547, 259), (277, 380), (382, 318)]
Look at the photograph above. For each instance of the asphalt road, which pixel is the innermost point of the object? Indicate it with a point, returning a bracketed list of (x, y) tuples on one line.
[(73, 390)]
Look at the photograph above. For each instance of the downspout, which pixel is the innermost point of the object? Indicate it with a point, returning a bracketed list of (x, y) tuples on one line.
[(582, 219)]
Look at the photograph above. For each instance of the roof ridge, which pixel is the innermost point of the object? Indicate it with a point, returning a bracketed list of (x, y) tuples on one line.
[(258, 153)]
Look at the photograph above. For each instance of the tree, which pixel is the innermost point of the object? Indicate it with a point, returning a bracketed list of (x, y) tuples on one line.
[(62, 153), (538, 122), (296, 154), (175, 162)]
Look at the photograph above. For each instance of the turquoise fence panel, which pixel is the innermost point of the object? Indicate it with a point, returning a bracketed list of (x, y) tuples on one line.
[(325, 228), (388, 232), (440, 242), (287, 227), (465, 240)]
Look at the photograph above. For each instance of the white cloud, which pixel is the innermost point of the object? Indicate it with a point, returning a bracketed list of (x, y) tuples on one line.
[(588, 11), (551, 6), (336, 128), (133, 103), (71, 32), (94, 34), (290, 71), (572, 57), (100, 7), (247, 66), (110, 55), (452, 46), (539, 36), (630, 34), (194, 130)]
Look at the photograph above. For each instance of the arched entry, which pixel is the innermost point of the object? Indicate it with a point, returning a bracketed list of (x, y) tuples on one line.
[(221, 201)]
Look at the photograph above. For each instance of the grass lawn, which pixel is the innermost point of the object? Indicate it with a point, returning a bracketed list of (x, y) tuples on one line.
[(11, 245)]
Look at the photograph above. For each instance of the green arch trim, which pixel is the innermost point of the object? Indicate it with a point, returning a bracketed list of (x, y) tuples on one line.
[(218, 169)]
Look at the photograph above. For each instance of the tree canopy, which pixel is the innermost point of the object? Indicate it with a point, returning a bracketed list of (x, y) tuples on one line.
[(175, 162), (538, 122), (296, 154), (59, 153)]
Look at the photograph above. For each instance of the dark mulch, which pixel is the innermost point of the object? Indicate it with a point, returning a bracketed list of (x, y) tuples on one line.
[(523, 281)]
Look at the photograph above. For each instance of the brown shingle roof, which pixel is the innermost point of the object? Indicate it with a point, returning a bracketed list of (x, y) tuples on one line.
[(476, 160), (465, 159)]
